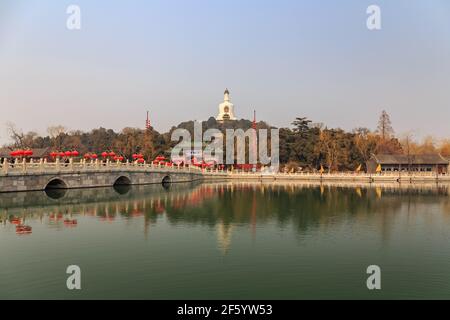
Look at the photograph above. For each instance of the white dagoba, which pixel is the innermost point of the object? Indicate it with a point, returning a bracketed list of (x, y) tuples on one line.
[(226, 108)]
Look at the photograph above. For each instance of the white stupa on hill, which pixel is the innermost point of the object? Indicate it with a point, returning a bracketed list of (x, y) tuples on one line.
[(226, 108)]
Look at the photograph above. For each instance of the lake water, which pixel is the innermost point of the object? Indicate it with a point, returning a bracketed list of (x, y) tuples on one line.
[(228, 241)]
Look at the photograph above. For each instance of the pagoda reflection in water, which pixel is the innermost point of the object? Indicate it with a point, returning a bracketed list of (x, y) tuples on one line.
[(222, 207)]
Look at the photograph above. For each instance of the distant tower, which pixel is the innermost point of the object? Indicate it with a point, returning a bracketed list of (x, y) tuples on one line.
[(147, 122), (226, 108), (255, 140), (254, 120)]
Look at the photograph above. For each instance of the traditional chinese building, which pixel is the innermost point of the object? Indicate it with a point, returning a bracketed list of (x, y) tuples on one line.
[(408, 163)]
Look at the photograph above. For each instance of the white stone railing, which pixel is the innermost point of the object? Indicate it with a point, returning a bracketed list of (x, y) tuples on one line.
[(42, 166), (344, 174)]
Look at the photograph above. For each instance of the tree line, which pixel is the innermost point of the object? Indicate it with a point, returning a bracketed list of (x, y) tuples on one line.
[(303, 146)]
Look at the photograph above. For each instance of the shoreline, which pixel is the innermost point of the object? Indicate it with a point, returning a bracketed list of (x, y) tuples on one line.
[(18, 182), (339, 177)]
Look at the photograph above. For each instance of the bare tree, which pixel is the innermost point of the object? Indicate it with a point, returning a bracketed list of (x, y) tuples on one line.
[(365, 142), (56, 133), (408, 146), (16, 135), (384, 128), (407, 143), (328, 145)]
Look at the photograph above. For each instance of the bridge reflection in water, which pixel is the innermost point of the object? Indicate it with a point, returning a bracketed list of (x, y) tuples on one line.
[(228, 240), (223, 205)]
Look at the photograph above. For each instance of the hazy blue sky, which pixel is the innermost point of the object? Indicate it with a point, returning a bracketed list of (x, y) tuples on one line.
[(175, 58)]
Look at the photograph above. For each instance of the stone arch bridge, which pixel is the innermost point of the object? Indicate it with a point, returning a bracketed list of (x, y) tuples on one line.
[(41, 176)]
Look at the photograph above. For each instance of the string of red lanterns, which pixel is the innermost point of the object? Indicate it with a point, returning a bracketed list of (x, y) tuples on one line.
[(138, 156), (92, 156), (62, 154), (112, 155), (104, 155), (161, 160), (69, 154), (87, 156), (21, 153)]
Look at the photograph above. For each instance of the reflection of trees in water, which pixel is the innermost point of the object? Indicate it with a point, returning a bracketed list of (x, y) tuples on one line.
[(311, 207), (226, 204)]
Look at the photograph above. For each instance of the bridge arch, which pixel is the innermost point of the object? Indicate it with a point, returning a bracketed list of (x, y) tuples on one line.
[(167, 180), (122, 181), (56, 183)]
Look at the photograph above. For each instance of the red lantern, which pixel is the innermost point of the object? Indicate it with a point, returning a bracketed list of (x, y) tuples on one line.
[(62, 154), (53, 154), (87, 156), (19, 153), (104, 154), (121, 158), (94, 156), (13, 153), (140, 160), (140, 156), (75, 153), (134, 156), (68, 153), (28, 153), (112, 154)]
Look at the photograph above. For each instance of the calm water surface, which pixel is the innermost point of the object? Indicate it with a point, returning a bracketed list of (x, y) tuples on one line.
[(236, 241)]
